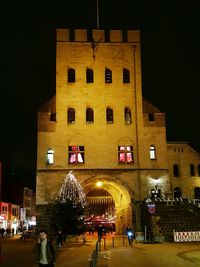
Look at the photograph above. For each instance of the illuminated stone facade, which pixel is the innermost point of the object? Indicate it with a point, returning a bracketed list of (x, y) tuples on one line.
[(99, 109)]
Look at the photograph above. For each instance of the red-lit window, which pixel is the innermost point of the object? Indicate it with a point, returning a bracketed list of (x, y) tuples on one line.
[(125, 154), (76, 154)]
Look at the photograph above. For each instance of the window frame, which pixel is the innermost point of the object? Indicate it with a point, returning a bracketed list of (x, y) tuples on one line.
[(126, 75), (89, 116), (71, 75), (109, 116), (123, 152), (176, 172), (152, 152), (50, 156), (78, 152), (108, 75), (89, 75), (192, 170), (127, 112), (71, 116)]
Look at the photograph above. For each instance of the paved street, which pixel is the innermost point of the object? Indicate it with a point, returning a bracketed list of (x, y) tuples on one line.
[(16, 253), (156, 255)]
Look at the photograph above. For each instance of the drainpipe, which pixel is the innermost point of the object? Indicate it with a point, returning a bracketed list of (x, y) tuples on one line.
[(137, 206)]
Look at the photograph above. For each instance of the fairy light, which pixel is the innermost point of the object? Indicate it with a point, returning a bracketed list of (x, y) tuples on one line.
[(72, 190)]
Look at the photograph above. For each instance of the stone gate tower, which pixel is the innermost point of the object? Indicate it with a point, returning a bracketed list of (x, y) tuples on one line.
[(99, 125)]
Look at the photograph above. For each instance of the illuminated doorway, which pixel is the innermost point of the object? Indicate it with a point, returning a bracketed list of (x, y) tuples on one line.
[(108, 197)]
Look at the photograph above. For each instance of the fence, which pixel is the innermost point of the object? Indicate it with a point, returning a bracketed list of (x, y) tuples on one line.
[(189, 236)]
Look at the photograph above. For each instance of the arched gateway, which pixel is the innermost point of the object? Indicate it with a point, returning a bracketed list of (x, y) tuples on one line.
[(118, 196)]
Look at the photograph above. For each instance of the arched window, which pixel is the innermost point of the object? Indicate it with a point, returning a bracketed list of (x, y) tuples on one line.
[(89, 76), (192, 171), (71, 115), (109, 116), (177, 192), (71, 75), (108, 76), (50, 156), (126, 76), (197, 193), (152, 152), (127, 116), (176, 170), (89, 115)]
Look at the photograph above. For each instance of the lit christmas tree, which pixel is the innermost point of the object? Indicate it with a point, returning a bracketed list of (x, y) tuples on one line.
[(71, 190)]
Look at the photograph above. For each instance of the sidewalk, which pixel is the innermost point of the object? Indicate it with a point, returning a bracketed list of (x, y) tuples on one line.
[(77, 254), (118, 252)]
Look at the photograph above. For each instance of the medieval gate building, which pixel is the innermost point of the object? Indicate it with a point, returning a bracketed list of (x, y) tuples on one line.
[(99, 125)]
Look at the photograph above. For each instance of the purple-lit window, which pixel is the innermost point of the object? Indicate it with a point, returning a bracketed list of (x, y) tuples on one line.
[(76, 154), (125, 154)]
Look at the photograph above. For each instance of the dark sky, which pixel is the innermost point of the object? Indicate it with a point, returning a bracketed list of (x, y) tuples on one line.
[(170, 66)]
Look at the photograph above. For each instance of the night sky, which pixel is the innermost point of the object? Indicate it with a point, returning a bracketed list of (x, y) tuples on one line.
[(170, 67)]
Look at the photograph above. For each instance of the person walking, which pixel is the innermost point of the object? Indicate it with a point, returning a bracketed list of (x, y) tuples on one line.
[(46, 253), (59, 239)]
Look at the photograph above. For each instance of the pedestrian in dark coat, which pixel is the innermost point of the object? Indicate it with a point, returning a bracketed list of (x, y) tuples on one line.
[(46, 253), (59, 239)]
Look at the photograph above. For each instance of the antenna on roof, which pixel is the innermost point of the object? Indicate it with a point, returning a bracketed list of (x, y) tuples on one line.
[(97, 14)]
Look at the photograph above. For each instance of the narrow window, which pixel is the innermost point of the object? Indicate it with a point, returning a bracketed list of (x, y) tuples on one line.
[(108, 76), (152, 152), (89, 35), (126, 76), (124, 36), (125, 154), (151, 117), (177, 192), (109, 116), (72, 35), (71, 115), (71, 75), (89, 115), (89, 76), (176, 170), (198, 169), (53, 116), (76, 154), (127, 116), (197, 193), (50, 156), (192, 172), (107, 35)]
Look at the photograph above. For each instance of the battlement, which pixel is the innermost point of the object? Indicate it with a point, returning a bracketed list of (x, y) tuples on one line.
[(83, 35)]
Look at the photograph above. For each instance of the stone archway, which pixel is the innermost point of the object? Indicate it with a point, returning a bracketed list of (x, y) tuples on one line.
[(120, 195)]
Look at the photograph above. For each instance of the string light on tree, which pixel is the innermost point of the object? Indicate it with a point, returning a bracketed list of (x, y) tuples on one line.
[(72, 190)]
